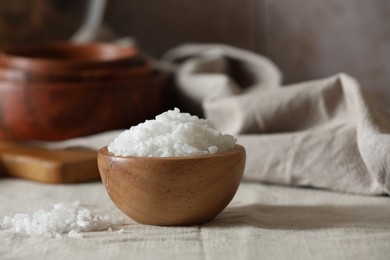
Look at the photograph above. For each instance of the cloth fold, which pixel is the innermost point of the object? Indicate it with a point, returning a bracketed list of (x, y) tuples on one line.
[(327, 133)]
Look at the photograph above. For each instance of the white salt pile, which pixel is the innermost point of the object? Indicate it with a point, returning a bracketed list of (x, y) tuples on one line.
[(172, 134), (69, 219)]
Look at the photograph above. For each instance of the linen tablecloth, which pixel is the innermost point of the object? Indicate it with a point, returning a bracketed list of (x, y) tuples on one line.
[(262, 222)]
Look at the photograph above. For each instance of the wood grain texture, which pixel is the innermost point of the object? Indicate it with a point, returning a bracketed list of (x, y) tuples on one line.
[(47, 166), (172, 191), (307, 39), (313, 39), (160, 25)]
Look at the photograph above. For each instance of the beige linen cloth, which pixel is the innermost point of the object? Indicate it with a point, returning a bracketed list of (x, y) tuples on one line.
[(328, 133), (262, 222)]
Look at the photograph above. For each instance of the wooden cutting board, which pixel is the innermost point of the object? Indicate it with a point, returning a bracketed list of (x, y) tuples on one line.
[(48, 166)]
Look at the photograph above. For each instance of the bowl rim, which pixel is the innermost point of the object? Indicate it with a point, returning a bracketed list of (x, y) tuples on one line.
[(68, 55), (17, 75), (238, 149), (144, 81)]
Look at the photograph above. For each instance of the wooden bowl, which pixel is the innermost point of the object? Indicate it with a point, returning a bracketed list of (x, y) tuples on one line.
[(62, 110), (55, 91), (172, 191)]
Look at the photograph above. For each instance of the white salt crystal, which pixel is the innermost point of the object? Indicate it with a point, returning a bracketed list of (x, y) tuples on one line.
[(70, 219), (172, 134), (7, 222), (74, 233)]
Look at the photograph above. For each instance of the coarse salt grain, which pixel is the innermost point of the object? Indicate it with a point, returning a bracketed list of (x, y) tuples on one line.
[(172, 134), (71, 219)]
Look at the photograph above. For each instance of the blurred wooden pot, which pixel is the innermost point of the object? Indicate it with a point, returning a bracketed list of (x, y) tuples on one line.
[(57, 111), (59, 91)]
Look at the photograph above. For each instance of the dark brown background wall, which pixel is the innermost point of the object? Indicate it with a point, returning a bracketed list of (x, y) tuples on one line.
[(24, 21), (307, 39)]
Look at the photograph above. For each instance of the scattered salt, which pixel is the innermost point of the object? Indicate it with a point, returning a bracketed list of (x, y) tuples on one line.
[(71, 219), (172, 134)]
